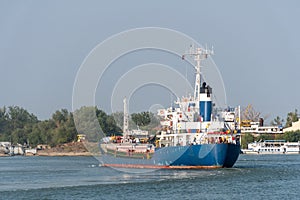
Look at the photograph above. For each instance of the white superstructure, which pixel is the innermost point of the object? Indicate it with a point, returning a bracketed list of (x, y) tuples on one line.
[(194, 120)]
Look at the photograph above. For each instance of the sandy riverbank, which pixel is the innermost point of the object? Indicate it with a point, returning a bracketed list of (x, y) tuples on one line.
[(71, 149)]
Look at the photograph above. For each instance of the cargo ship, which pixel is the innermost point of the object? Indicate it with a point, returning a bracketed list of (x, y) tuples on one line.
[(194, 133)]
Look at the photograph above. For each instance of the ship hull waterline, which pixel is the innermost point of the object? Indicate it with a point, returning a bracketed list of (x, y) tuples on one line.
[(205, 156)]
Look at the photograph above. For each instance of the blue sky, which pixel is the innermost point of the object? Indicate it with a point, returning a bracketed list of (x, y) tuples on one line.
[(43, 44)]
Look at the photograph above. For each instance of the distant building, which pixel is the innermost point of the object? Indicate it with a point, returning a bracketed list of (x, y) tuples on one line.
[(295, 126)]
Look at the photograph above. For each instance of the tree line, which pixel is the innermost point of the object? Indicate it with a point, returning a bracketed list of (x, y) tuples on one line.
[(17, 125)]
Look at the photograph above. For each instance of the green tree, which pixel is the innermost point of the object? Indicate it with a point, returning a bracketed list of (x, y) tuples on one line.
[(4, 125), (45, 130), (65, 130), (87, 122), (18, 136), (60, 116), (154, 124), (141, 119), (108, 123), (263, 137), (293, 136), (19, 124), (277, 121), (246, 139), (110, 126), (19, 117), (35, 136), (291, 117), (279, 137), (118, 117), (3, 119)]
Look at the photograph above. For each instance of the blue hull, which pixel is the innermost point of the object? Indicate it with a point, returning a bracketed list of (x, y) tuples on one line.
[(194, 156)]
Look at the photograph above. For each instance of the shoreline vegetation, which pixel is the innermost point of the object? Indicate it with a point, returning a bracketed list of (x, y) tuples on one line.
[(18, 127), (60, 134), (67, 149)]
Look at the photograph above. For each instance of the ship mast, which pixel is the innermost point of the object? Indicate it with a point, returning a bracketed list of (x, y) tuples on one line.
[(198, 54), (125, 119)]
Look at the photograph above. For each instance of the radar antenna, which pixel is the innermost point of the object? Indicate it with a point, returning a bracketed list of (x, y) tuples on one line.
[(198, 54)]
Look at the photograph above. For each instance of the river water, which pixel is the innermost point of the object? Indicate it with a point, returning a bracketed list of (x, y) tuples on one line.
[(252, 177)]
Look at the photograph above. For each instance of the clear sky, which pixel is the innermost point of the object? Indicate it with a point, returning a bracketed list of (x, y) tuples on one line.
[(256, 43)]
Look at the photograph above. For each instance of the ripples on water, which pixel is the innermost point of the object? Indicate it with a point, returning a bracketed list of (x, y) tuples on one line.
[(253, 177)]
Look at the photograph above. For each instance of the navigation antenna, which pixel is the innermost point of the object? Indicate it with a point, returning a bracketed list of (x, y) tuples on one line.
[(198, 54)]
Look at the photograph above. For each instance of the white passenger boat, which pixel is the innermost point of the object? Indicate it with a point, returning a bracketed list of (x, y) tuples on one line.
[(273, 147)]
